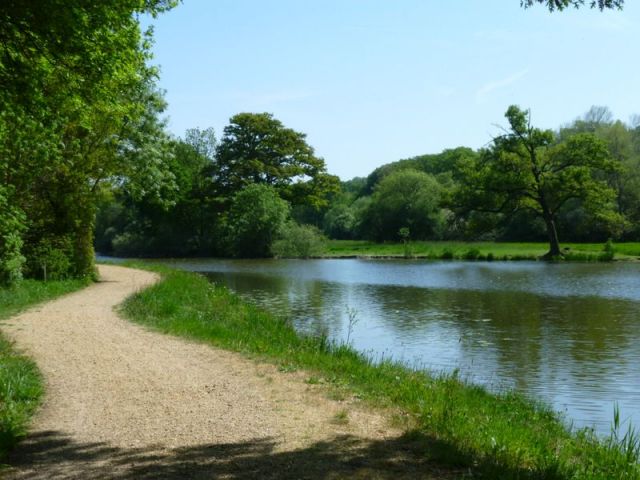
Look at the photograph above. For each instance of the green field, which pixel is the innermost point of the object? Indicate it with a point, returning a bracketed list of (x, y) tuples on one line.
[(476, 250)]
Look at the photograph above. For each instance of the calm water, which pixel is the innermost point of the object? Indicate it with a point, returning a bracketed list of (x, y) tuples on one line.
[(568, 334)]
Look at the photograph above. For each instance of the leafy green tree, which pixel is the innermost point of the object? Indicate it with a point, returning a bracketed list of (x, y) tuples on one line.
[(74, 92), (257, 213), (562, 4), (257, 148), (405, 199), (527, 169), (12, 223)]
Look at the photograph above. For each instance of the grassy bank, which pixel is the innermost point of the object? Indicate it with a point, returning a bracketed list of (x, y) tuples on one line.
[(477, 250), (20, 381), (495, 436)]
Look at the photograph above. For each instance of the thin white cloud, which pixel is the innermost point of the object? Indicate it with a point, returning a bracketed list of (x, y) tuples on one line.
[(490, 87)]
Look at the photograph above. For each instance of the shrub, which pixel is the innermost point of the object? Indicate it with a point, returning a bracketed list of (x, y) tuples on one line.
[(299, 241), (608, 251), (447, 254), (51, 259), (472, 254)]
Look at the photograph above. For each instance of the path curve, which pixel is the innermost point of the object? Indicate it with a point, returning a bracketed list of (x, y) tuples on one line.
[(125, 402)]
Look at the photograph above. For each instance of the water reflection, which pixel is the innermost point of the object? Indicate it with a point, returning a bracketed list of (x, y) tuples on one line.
[(567, 334)]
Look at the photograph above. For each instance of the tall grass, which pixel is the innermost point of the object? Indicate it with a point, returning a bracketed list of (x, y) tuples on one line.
[(494, 435), (20, 381)]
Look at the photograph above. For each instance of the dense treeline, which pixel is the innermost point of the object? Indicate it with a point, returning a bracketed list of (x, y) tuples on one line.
[(581, 181), (253, 189)]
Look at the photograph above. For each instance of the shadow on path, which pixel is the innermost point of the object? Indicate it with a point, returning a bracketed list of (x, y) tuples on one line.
[(52, 456)]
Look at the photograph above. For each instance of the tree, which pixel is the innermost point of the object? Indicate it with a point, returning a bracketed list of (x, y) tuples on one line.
[(257, 148), (562, 4), (257, 214), (527, 169), (74, 91), (406, 198)]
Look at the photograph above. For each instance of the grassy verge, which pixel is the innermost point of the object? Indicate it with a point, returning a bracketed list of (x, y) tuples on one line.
[(477, 250), (20, 381), (495, 436)]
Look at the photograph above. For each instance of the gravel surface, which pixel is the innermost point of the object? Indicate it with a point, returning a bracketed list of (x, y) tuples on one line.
[(125, 402)]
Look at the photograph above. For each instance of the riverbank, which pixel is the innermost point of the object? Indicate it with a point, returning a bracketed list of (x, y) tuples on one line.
[(460, 425), (20, 380), (477, 250), (123, 401)]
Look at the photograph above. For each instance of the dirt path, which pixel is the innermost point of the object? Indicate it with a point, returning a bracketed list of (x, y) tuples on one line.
[(125, 402)]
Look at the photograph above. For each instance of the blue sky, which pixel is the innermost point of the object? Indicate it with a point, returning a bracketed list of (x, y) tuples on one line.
[(373, 81)]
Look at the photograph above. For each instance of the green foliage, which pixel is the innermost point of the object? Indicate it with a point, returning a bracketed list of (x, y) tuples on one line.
[(50, 259), (562, 4), (257, 213), (608, 251), (257, 148), (20, 393), (442, 165), (11, 228), (527, 169), (406, 198), (77, 113), (298, 241)]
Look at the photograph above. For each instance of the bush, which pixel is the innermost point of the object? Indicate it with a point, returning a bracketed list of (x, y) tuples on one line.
[(608, 252), (299, 241), (51, 259), (472, 254)]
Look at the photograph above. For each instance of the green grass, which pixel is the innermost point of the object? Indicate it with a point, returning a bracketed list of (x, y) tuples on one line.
[(494, 435), (20, 381), (477, 250)]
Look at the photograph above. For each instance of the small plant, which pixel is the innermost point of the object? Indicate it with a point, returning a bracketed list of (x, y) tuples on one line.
[(313, 380), (287, 368), (352, 315), (405, 235), (341, 418), (629, 443), (608, 251)]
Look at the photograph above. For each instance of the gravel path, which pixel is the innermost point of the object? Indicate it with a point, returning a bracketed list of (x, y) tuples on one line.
[(125, 402)]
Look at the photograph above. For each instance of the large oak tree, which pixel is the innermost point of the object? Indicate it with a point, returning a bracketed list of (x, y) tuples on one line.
[(528, 168)]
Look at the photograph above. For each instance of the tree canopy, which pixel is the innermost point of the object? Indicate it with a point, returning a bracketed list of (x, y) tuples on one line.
[(257, 148), (78, 107), (526, 168)]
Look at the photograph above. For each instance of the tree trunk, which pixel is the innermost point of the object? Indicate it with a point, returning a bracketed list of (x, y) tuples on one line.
[(552, 233)]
